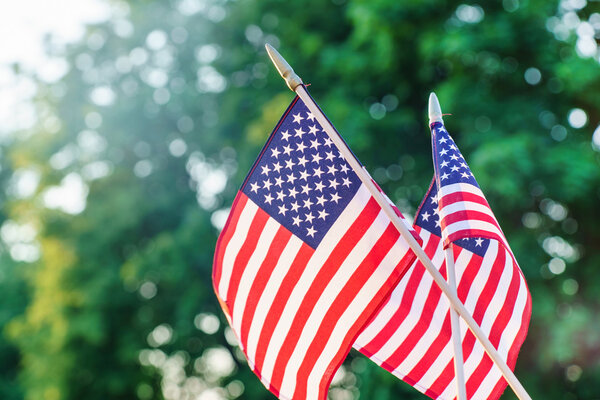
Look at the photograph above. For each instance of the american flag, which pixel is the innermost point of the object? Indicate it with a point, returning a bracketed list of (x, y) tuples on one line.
[(411, 335), (306, 258)]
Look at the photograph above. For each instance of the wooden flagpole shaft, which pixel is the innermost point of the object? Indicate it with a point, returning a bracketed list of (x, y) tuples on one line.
[(435, 115), (295, 84), (454, 323)]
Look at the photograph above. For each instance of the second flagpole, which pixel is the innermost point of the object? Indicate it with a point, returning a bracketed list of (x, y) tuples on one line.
[(296, 85), (435, 115)]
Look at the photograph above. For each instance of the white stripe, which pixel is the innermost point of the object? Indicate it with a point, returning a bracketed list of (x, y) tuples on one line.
[(391, 306), (471, 224), (249, 275), (328, 296), (348, 318), (336, 232), (460, 187), (414, 314), (234, 246), (268, 296)]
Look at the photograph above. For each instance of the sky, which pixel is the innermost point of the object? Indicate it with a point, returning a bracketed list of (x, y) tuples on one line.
[(25, 27)]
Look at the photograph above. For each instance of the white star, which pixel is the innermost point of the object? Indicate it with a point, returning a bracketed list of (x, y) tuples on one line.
[(303, 175), (347, 182), (329, 155), (289, 164), (344, 169), (327, 142), (453, 147), (434, 200), (443, 152), (323, 214), (310, 116), (445, 176), (267, 184), (297, 220), (478, 242), (309, 217), (306, 189), (297, 118), (282, 209), (302, 161), (334, 184), (307, 203), (300, 147), (254, 187), (268, 198), (265, 170), (314, 144), (287, 150), (332, 169), (295, 206), (275, 152), (464, 175), (310, 231), (276, 167), (316, 158), (453, 157), (321, 200), (313, 130), (293, 192), (335, 197), (318, 172), (291, 178), (280, 196), (299, 133), (319, 186), (437, 223), (465, 166), (454, 168), (278, 181), (425, 216), (285, 135), (444, 164), (443, 140)]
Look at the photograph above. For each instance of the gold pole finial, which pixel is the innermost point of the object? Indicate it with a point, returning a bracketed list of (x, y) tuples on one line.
[(284, 69)]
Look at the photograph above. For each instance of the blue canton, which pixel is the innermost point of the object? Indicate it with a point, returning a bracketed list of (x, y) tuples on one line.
[(300, 179), (451, 168)]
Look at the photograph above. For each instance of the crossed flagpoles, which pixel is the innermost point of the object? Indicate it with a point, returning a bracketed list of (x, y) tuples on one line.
[(448, 287)]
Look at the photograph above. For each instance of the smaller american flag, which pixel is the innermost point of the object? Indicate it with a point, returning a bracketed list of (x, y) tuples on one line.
[(411, 334), (305, 259)]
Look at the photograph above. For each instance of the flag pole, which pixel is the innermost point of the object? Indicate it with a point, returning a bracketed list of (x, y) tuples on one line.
[(435, 115), (296, 85)]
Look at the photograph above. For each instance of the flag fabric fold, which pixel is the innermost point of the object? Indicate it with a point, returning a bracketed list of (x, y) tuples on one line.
[(410, 336), (305, 259)]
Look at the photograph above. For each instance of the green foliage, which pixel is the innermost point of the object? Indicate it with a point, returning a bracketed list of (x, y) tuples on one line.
[(160, 123)]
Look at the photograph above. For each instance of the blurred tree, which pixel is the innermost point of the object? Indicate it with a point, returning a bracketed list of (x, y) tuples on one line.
[(163, 111)]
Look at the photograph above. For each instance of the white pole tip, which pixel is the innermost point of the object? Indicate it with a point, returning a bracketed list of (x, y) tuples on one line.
[(435, 111)]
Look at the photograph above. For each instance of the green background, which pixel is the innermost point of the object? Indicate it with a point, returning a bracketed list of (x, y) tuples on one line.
[(164, 109)]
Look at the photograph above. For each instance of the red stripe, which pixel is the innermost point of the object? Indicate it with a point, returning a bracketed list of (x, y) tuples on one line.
[(500, 323), (363, 319), (461, 196), (241, 260), (281, 239), (403, 310), (228, 230), (326, 272), (468, 216), (412, 338), (344, 298), (282, 297), (464, 285)]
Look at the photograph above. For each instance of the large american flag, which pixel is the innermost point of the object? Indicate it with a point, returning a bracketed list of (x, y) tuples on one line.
[(305, 259), (411, 335)]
